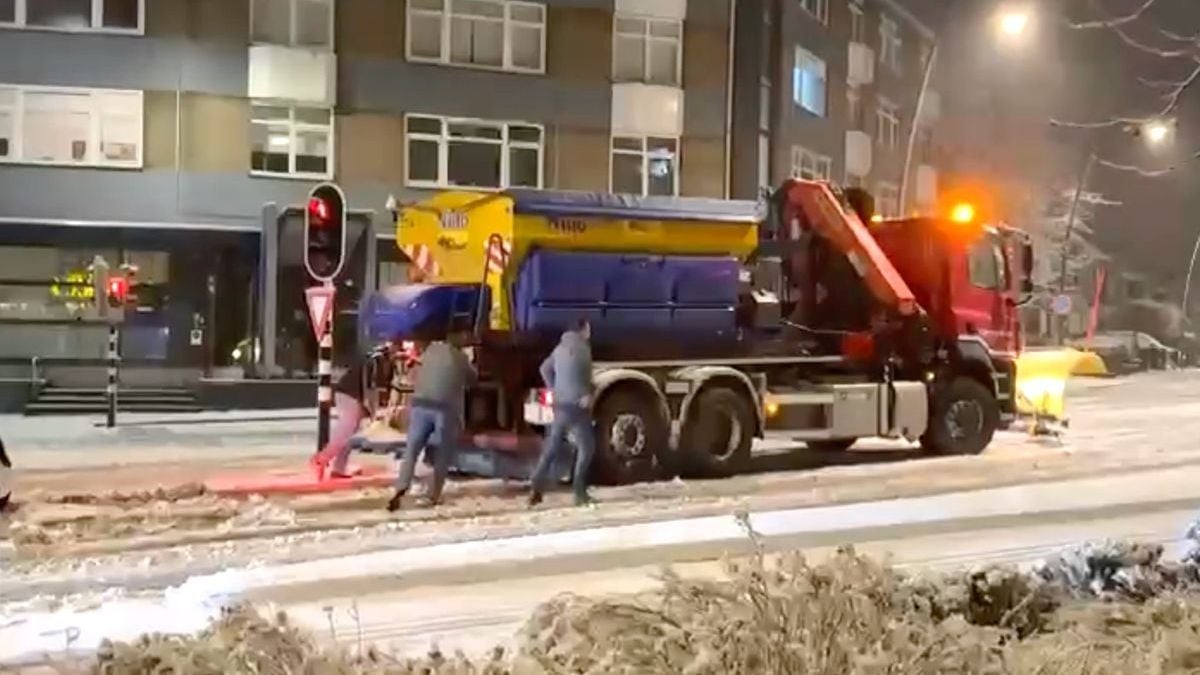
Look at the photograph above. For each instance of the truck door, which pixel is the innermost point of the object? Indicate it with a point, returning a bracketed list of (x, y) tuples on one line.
[(983, 305)]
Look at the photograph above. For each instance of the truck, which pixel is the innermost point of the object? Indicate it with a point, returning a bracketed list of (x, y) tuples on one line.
[(714, 322)]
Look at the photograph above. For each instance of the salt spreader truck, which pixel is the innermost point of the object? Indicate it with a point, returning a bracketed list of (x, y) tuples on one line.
[(714, 322)]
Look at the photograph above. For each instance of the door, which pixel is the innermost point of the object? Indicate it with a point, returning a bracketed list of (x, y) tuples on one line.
[(984, 305)]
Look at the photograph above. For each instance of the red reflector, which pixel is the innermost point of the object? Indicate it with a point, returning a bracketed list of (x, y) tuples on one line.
[(545, 397), (318, 210), (118, 287), (858, 346)]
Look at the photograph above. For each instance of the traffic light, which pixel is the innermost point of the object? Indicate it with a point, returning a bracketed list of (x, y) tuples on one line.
[(117, 292), (325, 231)]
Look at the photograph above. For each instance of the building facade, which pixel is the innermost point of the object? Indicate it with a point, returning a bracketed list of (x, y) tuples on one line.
[(165, 133), (829, 89)]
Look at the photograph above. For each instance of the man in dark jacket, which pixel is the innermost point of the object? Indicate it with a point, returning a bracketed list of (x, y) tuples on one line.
[(436, 412), (568, 374)]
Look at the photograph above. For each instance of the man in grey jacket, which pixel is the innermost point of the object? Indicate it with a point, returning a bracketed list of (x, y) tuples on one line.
[(568, 374), (436, 412)]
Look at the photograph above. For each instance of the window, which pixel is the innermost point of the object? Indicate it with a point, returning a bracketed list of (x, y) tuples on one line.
[(445, 152), (890, 44), (808, 165), (645, 166), (117, 16), (887, 129), (286, 141), (808, 82), (298, 23), (985, 265), (497, 34), (887, 200), (818, 8), (647, 50), (858, 23), (81, 127)]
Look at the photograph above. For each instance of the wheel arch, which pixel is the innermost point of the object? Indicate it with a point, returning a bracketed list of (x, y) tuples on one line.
[(701, 378), (973, 359), (627, 379)]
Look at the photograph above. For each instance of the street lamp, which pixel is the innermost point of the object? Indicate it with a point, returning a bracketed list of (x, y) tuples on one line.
[(1157, 132), (1013, 22)]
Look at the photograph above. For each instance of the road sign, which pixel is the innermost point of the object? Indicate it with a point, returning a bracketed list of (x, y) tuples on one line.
[(1061, 304), (320, 308)]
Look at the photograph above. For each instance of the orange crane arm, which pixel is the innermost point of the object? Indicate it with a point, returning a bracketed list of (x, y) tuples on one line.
[(815, 205)]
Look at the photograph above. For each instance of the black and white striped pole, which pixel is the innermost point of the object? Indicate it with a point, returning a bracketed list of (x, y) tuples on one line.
[(110, 392), (324, 379)]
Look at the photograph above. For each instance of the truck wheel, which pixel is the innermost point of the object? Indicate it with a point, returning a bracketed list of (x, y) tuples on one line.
[(630, 432), (717, 439), (963, 418), (5, 478), (832, 445)]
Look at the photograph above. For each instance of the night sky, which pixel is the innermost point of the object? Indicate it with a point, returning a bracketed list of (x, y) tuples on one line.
[(1080, 76)]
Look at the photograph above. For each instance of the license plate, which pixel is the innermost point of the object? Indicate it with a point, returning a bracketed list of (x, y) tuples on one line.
[(536, 413)]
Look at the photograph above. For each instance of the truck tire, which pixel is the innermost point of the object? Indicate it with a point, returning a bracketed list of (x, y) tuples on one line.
[(963, 419), (5, 478), (832, 445), (630, 433), (717, 439)]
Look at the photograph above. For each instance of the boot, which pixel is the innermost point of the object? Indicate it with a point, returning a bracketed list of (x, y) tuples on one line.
[(393, 504), (535, 498)]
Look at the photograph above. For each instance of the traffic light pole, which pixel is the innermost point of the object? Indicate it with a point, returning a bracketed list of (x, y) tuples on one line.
[(110, 393), (324, 382)]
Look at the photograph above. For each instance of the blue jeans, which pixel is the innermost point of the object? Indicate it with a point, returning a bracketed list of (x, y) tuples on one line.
[(567, 420), (426, 427)]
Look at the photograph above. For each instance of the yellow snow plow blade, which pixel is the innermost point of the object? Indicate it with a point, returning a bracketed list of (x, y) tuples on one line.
[(1042, 379)]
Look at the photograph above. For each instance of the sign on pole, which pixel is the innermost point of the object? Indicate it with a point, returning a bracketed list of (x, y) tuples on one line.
[(1061, 304), (320, 308)]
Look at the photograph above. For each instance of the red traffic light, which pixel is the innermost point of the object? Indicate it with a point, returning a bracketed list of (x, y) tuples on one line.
[(118, 288), (319, 211)]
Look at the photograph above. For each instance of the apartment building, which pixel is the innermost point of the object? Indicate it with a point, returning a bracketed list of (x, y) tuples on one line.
[(161, 132), (829, 89)]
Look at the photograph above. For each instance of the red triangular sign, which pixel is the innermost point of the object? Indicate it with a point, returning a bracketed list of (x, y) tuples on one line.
[(320, 308)]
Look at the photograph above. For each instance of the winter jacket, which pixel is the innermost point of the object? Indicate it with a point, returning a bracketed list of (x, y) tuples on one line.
[(443, 378), (568, 371)]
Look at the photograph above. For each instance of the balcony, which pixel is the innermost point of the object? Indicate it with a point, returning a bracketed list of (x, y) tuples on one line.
[(861, 68), (292, 74), (927, 186), (858, 153), (647, 110)]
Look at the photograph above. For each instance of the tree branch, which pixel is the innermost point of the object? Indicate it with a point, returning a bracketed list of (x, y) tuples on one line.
[(1115, 21)]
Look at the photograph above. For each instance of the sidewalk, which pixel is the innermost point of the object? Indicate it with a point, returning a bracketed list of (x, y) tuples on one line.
[(80, 441)]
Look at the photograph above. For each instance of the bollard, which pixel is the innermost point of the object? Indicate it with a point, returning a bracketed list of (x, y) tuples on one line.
[(110, 392)]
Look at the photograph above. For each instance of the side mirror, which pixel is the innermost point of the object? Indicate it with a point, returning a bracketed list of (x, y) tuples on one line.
[(1026, 271)]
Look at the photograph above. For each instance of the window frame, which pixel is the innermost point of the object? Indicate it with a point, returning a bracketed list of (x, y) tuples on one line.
[(819, 10), (858, 22), (292, 26), (886, 110), (443, 139), (819, 161), (644, 153), (892, 190), (95, 130), (293, 126), (445, 17), (798, 77), (647, 40), (891, 44), (21, 20)]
